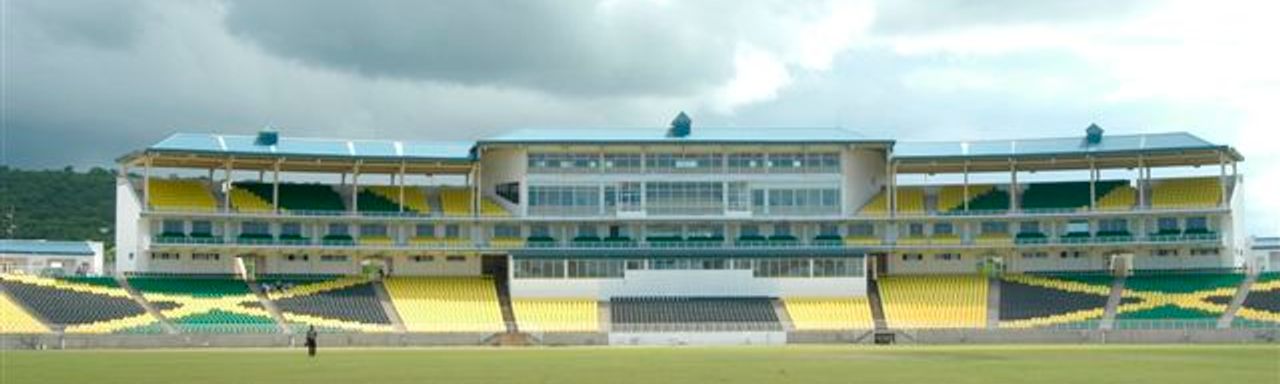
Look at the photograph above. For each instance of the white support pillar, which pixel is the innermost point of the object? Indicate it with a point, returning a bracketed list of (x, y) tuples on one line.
[(226, 182), (401, 185), (1222, 177), (1013, 185), (146, 184), (275, 187), (355, 187), (1093, 184), (1142, 182), (966, 186)]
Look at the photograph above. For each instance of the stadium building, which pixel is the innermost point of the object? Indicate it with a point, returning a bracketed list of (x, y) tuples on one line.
[(765, 232)]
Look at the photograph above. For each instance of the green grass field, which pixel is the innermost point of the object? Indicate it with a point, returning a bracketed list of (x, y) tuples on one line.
[(793, 364)]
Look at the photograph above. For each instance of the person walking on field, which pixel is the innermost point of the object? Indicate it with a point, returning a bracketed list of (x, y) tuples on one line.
[(311, 341)]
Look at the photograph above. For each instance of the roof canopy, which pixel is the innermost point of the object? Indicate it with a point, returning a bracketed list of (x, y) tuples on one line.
[(45, 247), (1113, 151), (698, 135), (196, 150)]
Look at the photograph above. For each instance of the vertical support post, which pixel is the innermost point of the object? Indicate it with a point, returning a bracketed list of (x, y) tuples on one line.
[(966, 186), (1142, 182), (146, 184), (1013, 185), (355, 187), (275, 187), (226, 181), (1094, 174), (475, 191), (401, 199), (1222, 178)]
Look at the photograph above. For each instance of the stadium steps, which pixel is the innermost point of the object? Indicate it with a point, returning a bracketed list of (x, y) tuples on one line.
[(385, 299), (877, 307), (504, 300), (1237, 301), (993, 303), (1113, 302), (151, 309), (606, 316), (270, 306), (784, 318)]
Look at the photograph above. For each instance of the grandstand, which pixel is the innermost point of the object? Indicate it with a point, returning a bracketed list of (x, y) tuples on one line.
[(561, 233)]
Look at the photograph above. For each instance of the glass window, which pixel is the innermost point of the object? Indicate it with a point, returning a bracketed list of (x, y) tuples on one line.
[(506, 230), (862, 229), (339, 229), (425, 230), (1197, 223), (1029, 227), (915, 229), (173, 226), (373, 230), (291, 229), (255, 228), (452, 231), (943, 229), (201, 227), (1000, 227), (555, 200), (684, 198)]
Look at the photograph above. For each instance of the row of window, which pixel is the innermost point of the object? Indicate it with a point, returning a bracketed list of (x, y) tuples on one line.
[(684, 162), (615, 268), (864, 229), (681, 198)]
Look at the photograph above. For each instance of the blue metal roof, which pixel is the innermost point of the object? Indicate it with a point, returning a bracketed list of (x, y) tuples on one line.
[(744, 135), (1052, 146), (294, 146), (45, 247)]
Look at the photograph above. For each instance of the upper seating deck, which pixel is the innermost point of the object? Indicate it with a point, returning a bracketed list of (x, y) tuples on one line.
[(180, 194)]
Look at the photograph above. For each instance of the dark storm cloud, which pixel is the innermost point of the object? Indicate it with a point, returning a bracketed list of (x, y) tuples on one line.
[(563, 46), (95, 23)]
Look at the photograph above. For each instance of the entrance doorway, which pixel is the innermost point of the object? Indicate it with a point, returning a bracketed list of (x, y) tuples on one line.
[(376, 267)]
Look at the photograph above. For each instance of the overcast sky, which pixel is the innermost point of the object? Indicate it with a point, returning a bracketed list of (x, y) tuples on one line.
[(86, 81)]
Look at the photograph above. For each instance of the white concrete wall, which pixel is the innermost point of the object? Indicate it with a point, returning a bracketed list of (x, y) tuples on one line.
[(279, 263), (966, 264), (731, 283), (132, 235), (185, 264), (863, 176), (1055, 263), (440, 266), (504, 165)]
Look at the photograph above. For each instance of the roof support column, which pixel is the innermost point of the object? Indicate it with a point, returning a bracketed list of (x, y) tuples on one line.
[(355, 187), (1142, 182), (1222, 177), (966, 185), (1094, 174), (275, 187), (892, 187), (401, 184), (1013, 185), (475, 190), (226, 185), (146, 184)]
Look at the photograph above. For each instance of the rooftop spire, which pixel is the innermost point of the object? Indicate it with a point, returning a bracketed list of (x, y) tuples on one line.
[(681, 126)]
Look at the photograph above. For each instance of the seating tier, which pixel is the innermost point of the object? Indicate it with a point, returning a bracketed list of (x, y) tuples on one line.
[(934, 301), (447, 304)]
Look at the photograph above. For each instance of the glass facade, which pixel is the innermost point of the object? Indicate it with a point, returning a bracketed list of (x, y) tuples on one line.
[(610, 268)]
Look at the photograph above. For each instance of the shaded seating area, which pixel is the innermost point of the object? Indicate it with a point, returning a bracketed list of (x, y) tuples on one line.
[(668, 314), (311, 198)]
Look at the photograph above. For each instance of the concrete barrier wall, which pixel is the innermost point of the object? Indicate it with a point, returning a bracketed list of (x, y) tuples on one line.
[(1028, 336)]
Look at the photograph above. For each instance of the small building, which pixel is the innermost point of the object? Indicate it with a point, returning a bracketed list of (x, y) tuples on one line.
[(1265, 252), (46, 257)]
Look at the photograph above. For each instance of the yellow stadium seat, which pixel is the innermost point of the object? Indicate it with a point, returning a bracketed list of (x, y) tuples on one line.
[(815, 314), (910, 202), (1186, 193), (244, 201), (447, 304), (415, 200), (181, 195), (556, 315), (951, 197), (14, 319), (934, 301), (1122, 198)]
